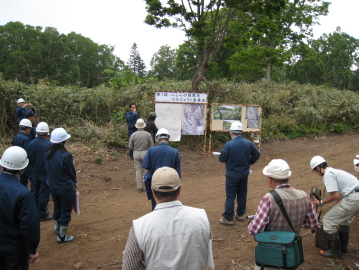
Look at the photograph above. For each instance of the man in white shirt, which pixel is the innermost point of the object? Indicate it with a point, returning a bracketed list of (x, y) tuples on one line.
[(343, 188), (173, 236)]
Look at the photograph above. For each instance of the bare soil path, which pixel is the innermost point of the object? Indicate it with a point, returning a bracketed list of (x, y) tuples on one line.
[(110, 201)]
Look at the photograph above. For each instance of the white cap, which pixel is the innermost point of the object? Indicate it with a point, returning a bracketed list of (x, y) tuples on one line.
[(165, 179), (236, 126), (356, 160), (25, 123), (59, 135), (140, 123), (20, 100), (278, 169), (316, 161)]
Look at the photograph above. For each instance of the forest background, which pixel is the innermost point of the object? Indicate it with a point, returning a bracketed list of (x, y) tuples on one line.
[(240, 52)]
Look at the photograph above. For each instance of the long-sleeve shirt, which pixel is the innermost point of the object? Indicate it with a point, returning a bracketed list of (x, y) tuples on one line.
[(140, 140), (268, 205), (20, 221), (238, 154), (160, 156), (20, 112), (60, 170), (36, 154)]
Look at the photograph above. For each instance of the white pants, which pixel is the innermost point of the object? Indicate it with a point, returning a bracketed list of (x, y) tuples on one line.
[(340, 213)]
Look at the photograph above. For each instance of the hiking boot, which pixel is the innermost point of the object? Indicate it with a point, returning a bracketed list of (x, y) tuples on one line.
[(224, 221), (240, 218), (49, 217), (140, 190)]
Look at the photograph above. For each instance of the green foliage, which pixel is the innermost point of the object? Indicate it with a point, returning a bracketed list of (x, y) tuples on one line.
[(30, 54), (97, 115), (136, 63), (163, 64), (328, 60)]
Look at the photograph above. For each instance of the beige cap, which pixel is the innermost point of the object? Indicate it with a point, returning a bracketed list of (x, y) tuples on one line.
[(278, 169), (165, 179), (140, 123)]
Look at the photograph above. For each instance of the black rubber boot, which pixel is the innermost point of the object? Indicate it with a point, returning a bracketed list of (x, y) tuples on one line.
[(334, 243), (344, 238)]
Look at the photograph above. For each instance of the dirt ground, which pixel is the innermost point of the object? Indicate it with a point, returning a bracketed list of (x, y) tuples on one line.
[(110, 201)]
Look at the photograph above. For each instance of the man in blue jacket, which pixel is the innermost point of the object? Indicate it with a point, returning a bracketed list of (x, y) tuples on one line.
[(22, 140), (131, 118), (23, 108), (160, 156), (19, 222), (238, 154), (39, 187)]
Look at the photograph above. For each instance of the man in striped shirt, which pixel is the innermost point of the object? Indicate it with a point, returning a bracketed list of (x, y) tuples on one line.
[(297, 203)]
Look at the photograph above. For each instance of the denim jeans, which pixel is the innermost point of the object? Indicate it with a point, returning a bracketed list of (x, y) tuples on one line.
[(236, 186)]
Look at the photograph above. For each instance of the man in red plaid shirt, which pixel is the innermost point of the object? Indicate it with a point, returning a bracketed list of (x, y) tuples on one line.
[(297, 203)]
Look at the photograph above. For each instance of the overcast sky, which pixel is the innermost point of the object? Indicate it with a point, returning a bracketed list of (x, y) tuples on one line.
[(120, 22)]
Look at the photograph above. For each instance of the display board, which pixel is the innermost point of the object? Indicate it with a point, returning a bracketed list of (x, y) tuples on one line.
[(181, 113), (223, 115)]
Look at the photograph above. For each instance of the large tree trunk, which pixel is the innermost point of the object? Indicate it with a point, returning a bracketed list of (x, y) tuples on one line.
[(268, 72)]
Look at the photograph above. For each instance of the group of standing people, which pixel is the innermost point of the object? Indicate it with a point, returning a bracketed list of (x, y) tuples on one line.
[(148, 238), (44, 162)]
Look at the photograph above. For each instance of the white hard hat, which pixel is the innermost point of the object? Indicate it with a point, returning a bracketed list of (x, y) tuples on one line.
[(59, 135), (162, 133), (42, 127), (25, 123), (20, 100), (236, 126), (14, 158), (278, 169), (316, 161), (356, 160)]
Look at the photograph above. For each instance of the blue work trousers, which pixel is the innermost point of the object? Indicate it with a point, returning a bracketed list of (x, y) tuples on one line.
[(64, 200), (236, 186), (14, 259), (24, 178), (41, 192)]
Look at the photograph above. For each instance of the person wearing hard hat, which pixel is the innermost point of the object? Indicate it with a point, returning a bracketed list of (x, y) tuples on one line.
[(22, 139), (160, 156), (173, 236), (343, 190), (297, 204), (19, 222), (36, 153), (151, 126), (23, 108), (238, 154), (139, 142), (62, 179)]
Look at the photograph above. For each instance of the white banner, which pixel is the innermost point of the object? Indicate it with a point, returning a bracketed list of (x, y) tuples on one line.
[(181, 97), (169, 116)]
